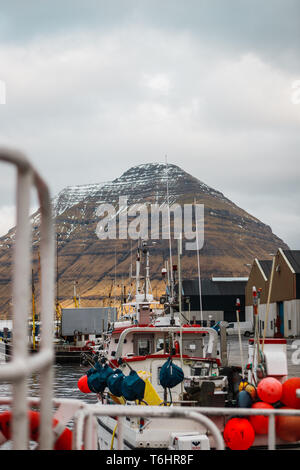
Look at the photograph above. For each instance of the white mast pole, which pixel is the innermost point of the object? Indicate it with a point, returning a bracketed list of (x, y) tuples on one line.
[(198, 263), (169, 228)]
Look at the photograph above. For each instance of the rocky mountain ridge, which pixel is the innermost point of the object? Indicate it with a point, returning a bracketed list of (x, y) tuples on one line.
[(233, 238)]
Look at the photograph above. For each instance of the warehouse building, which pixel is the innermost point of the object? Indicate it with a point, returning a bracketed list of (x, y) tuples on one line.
[(219, 297), (284, 311)]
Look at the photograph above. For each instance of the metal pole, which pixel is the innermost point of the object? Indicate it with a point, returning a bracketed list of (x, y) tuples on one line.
[(238, 305), (198, 263), (21, 297), (223, 343), (47, 316), (268, 303)]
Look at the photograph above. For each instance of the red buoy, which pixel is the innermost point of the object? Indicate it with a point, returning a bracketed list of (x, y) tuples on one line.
[(289, 388), (239, 434), (288, 427), (260, 423), (269, 390), (83, 384), (63, 442)]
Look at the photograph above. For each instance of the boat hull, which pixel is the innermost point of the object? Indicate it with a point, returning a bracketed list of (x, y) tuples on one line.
[(155, 435)]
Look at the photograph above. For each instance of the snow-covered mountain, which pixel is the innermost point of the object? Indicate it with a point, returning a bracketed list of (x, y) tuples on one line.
[(233, 238)]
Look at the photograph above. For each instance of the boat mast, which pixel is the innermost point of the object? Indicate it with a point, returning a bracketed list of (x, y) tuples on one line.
[(171, 277), (198, 263), (137, 271), (147, 274), (33, 309)]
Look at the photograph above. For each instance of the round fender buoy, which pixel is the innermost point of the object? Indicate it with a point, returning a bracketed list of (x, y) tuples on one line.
[(83, 384), (288, 396), (288, 427), (269, 390), (244, 399), (239, 434), (63, 441), (260, 423)]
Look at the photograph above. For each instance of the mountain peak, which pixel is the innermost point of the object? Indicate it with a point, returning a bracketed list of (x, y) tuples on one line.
[(158, 171)]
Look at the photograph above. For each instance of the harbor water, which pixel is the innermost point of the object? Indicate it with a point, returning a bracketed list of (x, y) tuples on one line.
[(65, 384)]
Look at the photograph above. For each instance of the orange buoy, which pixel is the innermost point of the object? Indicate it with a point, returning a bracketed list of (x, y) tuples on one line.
[(63, 442), (260, 423), (5, 427), (239, 434), (269, 390), (288, 427), (289, 388), (83, 384)]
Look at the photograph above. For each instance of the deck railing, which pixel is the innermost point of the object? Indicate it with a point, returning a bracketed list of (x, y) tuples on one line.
[(85, 424), (22, 365)]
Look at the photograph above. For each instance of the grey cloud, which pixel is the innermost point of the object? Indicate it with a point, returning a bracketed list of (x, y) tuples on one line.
[(271, 27), (96, 87)]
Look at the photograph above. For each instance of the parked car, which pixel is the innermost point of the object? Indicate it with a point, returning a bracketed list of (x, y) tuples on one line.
[(246, 328)]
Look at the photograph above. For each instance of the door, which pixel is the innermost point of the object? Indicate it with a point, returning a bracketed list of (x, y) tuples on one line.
[(281, 316)]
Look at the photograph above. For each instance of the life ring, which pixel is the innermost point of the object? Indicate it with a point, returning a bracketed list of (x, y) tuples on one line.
[(63, 441), (89, 343), (177, 348)]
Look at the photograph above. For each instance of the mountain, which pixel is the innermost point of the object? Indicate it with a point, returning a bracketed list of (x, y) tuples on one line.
[(233, 238)]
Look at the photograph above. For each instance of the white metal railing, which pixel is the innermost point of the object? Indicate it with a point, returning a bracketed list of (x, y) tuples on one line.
[(85, 426), (22, 365), (199, 415)]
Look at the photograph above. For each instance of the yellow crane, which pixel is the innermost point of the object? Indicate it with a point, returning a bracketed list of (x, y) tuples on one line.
[(75, 297)]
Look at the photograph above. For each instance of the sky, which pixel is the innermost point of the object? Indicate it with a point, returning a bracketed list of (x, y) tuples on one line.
[(93, 88)]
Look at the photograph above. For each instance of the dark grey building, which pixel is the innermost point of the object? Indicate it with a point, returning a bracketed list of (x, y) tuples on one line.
[(219, 297)]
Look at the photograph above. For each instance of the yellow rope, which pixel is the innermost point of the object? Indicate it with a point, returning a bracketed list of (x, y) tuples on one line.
[(113, 437)]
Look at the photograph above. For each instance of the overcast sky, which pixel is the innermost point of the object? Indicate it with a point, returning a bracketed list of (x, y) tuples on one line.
[(94, 87)]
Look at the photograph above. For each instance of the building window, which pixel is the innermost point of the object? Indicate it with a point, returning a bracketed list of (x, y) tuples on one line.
[(271, 324), (290, 324)]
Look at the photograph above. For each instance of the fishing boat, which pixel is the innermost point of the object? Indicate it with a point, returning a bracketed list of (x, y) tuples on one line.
[(142, 343), (138, 350)]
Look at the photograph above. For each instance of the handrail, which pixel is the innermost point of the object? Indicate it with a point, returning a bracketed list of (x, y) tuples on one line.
[(21, 366), (84, 412)]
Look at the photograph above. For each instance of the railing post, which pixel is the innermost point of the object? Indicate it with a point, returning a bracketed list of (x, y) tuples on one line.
[(21, 298), (22, 365), (47, 316), (120, 431), (271, 433)]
